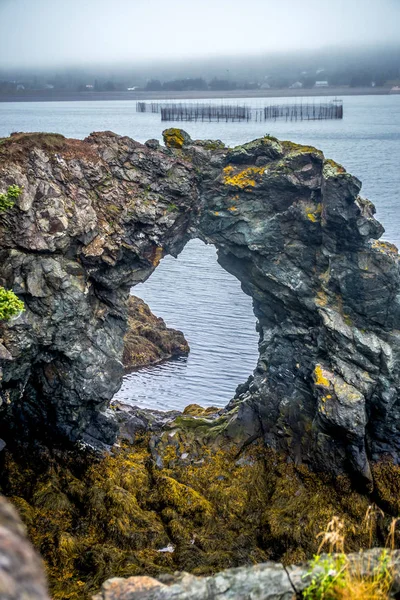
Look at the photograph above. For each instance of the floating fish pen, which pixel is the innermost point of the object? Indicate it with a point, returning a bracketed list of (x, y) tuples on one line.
[(299, 111), (205, 112), (153, 107), (313, 111)]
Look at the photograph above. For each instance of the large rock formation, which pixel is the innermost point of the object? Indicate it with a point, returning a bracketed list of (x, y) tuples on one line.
[(96, 216), (148, 339)]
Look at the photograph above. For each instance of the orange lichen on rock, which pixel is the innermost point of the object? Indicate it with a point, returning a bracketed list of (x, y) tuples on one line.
[(385, 247), (174, 138), (242, 179), (320, 376), (313, 212)]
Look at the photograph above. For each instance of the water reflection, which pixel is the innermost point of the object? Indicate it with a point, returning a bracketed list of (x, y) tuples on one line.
[(194, 294)]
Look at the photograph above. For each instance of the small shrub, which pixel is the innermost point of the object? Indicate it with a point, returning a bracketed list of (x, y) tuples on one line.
[(7, 200), (327, 576), (335, 577), (10, 304)]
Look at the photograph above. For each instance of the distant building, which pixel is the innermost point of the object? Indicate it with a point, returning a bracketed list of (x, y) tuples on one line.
[(265, 86), (132, 89), (20, 87), (321, 84), (395, 89), (296, 85), (89, 86)]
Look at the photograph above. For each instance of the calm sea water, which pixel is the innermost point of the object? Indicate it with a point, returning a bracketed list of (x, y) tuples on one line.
[(193, 293)]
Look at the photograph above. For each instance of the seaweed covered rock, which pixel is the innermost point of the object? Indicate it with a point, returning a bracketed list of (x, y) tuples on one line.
[(148, 340), (96, 217), (177, 498)]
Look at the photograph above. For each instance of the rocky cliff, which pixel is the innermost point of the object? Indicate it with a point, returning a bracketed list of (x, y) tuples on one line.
[(95, 218)]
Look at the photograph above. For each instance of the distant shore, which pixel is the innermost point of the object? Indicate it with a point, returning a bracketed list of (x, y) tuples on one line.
[(57, 96)]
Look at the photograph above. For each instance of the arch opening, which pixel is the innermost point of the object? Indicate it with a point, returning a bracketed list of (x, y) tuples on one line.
[(196, 295)]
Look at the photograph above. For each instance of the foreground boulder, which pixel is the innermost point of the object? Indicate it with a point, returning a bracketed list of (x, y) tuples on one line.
[(21, 570), (267, 581), (95, 218)]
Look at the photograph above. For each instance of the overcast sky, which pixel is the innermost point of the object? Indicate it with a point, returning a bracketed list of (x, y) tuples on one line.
[(75, 32)]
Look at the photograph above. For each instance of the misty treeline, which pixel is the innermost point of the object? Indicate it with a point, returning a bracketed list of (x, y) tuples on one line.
[(349, 67)]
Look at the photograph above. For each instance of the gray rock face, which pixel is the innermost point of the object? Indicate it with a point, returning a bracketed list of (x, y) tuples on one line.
[(267, 581), (95, 218), (21, 570)]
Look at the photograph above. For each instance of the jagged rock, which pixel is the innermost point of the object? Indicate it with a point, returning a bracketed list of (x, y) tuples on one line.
[(263, 582), (21, 570), (148, 340), (95, 218), (267, 581)]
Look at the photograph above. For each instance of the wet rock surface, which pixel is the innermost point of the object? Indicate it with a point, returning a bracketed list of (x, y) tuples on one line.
[(148, 339), (96, 216)]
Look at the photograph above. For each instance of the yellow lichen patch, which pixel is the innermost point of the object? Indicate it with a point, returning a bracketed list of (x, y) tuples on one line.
[(242, 179), (174, 138), (232, 209), (320, 376), (385, 247), (346, 392), (195, 410), (336, 166), (313, 212), (293, 148)]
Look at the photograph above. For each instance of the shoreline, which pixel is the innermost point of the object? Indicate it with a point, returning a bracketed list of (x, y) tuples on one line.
[(55, 96)]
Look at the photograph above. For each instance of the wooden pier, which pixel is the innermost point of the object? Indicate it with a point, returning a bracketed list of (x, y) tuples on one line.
[(294, 111)]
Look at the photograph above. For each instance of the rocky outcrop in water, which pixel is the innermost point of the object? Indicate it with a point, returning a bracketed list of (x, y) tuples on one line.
[(95, 218), (148, 339)]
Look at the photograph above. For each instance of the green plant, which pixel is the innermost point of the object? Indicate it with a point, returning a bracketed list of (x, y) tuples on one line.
[(7, 200), (172, 207), (10, 304), (327, 575), (336, 577)]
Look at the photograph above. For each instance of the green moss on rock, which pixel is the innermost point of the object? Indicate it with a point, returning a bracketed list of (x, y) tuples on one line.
[(10, 304)]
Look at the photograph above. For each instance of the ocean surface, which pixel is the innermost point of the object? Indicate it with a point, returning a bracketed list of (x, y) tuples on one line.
[(193, 293)]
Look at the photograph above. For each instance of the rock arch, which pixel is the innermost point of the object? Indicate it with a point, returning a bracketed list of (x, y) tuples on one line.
[(96, 216)]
